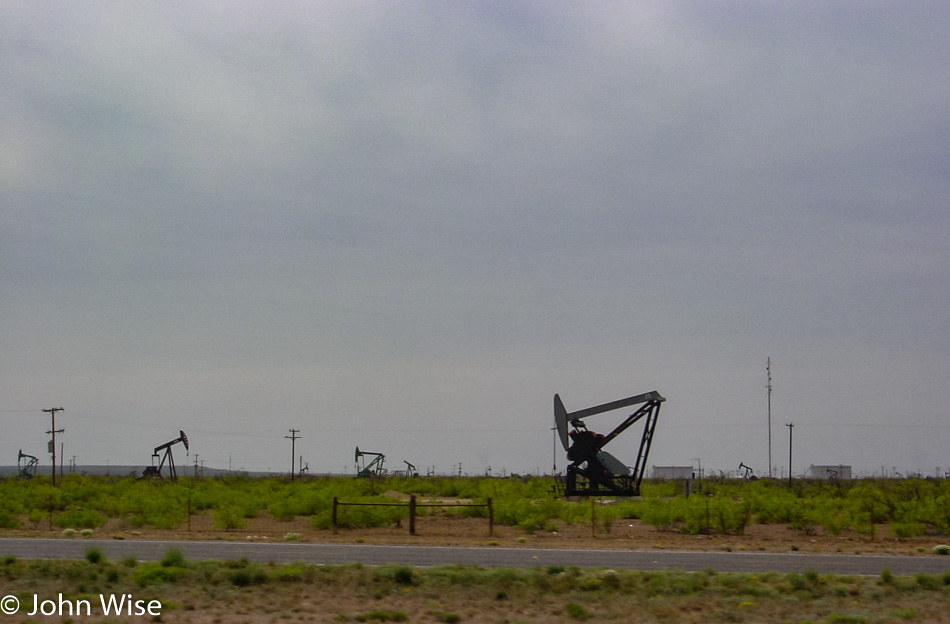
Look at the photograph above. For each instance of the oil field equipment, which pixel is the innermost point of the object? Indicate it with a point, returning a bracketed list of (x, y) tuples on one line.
[(410, 469), (154, 471), (26, 465), (372, 467), (747, 472), (593, 471)]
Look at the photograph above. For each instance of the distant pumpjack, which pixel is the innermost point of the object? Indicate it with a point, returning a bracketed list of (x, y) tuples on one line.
[(593, 471), (747, 472), (155, 472), (25, 469), (372, 468)]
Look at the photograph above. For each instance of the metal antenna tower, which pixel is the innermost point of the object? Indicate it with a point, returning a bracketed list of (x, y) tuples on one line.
[(768, 369), (53, 430), (293, 437)]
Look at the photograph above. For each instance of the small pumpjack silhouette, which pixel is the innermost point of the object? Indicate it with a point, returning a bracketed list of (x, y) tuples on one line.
[(369, 468), (25, 469), (155, 472)]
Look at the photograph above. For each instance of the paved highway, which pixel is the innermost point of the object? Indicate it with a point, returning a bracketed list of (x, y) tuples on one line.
[(483, 556)]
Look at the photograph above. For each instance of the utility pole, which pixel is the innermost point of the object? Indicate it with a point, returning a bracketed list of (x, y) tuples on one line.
[(768, 369), (196, 465), (790, 427), (52, 430), (293, 437)]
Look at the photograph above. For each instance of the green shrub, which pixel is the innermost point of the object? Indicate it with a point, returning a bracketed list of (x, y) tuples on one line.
[(172, 559), (379, 615), (942, 549), (404, 575), (283, 510), (847, 618), (293, 573), (906, 529), (659, 513), (797, 581), (576, 611), (886, 576), (152, 574), (228, 518), (82, 518), (909, 613), (36, 516), (247, 576), (927, 581), (94, 555), (8, 520)]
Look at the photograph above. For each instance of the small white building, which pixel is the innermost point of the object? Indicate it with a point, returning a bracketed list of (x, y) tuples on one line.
[(828, 472), (673, 472)]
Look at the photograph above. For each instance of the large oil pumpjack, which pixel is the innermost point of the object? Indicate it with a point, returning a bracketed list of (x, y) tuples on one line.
[(155, 472), (593, 471)]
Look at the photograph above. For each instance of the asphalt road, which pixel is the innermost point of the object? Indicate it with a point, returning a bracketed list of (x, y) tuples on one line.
[(482, 556)]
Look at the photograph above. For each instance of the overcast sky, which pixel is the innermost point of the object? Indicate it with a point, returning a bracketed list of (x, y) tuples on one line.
[(405, 226)]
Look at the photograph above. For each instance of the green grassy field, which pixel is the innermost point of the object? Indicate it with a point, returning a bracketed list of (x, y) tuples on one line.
[(909, 507)]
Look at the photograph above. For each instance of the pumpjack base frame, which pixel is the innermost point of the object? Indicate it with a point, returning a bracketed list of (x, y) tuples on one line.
[(578, 483)]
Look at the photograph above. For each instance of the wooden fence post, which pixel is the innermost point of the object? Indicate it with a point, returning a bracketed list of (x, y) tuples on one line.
[(491, 520), (412, 514), (334, 515)]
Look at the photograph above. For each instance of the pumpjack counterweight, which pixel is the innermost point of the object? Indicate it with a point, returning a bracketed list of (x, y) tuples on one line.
[(593, 471)]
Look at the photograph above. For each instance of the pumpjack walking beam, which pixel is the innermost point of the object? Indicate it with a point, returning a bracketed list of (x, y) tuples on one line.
[(593, 471)]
